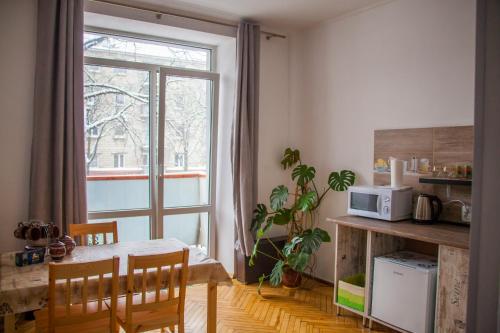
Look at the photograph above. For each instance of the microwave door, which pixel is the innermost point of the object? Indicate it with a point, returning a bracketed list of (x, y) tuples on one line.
[(365, 204)]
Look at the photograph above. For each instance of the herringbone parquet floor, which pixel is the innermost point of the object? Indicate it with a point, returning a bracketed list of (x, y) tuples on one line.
[(241, 310)]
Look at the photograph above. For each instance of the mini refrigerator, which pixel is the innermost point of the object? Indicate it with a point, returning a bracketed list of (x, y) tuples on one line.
[(404, 291)]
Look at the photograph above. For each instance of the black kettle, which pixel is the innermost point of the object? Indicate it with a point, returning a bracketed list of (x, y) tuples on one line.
[(428, 209)]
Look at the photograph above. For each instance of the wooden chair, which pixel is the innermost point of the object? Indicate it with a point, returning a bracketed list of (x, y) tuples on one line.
[(145, 311), (94, 229), (91, 314)]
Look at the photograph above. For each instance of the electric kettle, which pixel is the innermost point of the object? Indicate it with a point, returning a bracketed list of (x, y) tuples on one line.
[(428, 209)]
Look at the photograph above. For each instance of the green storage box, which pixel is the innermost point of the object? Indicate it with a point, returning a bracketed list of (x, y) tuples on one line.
[(351, 292)]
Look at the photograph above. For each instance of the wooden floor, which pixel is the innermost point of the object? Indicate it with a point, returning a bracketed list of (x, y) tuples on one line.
[(241, 310)]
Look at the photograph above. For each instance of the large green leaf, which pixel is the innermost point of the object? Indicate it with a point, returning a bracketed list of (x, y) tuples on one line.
[(303, 174), (306, 201), (259, 216), (279, 196), (288, 248), (340, 181), (312, 239), (277, 273), (298, 261), (290, 158), (265, 227), (282, 217)]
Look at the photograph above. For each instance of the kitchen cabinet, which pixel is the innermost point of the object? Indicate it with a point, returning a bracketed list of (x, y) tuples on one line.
[(358, 240)]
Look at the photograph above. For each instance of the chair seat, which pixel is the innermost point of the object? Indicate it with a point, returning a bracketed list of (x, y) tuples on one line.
[(94, 326), (143, 321)]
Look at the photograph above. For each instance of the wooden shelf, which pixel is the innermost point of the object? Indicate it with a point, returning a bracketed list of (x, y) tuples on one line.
[(445, 181)]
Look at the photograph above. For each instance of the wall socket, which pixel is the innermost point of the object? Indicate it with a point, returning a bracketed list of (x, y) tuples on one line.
[(466, 213)]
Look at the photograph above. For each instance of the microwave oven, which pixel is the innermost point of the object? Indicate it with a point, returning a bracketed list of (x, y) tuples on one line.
[(380, 202)]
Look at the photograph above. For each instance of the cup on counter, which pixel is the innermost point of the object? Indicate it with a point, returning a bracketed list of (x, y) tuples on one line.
[(34, 232)]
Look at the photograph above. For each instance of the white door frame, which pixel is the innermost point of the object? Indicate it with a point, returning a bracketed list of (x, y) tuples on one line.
[(210, 207)]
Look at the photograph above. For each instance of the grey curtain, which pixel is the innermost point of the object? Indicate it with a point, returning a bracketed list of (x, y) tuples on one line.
[(57, 183), (244, 144)]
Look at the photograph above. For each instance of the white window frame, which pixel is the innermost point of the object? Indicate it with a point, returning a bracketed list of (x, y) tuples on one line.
[(156, 211)]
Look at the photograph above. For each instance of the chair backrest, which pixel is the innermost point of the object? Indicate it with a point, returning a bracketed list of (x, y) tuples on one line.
[(177, 263), (83, 231), (82, 310)]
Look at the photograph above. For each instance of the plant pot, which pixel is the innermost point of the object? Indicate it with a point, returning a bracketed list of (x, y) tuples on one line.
[(291, 278)]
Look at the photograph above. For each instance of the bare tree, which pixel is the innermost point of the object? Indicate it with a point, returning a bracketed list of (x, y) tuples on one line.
[(186, 113)]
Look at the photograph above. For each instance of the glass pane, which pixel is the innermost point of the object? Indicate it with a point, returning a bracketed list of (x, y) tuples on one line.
[(130, 228), (186, 171), (117, 138), (191, 229), (146, 51)]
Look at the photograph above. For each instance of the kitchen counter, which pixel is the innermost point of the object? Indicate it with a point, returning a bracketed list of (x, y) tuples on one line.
[(442, 234)]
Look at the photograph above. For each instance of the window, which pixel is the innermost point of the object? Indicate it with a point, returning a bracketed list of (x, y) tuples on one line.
[(119, 160), (93, 162), (119, 99), (119, 132), (120, 71), (136, 84), (148, 51), (93, 132), (94, 69), (90, 101), (179, 160)]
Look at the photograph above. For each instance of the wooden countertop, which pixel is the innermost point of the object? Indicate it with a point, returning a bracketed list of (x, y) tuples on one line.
[(446, 234)]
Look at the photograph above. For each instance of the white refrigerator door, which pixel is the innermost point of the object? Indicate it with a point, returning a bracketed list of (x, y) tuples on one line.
[(400, 296)]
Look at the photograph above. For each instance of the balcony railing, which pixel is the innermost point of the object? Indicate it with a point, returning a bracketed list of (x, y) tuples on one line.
[(119, 190)]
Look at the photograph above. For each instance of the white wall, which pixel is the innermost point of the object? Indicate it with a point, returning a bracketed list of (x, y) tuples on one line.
[(402, 64), (274, 129), (17, 63)]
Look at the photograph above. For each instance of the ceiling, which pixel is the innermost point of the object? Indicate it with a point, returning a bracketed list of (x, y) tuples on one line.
[(272, 13)]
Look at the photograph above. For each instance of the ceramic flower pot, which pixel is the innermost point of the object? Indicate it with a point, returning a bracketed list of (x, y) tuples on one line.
[(291, 278), (57, 250), (69, 243)]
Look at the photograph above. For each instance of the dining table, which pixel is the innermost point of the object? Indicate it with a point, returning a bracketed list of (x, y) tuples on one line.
[(24, 289)]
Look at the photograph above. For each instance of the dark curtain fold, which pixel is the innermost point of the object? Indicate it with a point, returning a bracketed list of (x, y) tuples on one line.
[(244, 144), (57, 184)]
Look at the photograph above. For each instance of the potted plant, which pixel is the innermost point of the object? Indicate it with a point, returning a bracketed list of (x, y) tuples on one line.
[(297, 211)]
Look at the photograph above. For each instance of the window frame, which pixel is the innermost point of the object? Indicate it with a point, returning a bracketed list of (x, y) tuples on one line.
[(156, 211), (159, 39)]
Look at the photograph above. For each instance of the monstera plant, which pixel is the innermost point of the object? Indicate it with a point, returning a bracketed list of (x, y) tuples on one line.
[(298, 212)]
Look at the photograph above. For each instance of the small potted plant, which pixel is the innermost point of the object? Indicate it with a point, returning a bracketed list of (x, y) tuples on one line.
[(298, 212)]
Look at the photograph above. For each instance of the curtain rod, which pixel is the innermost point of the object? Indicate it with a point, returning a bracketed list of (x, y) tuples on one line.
[(158, 13)]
